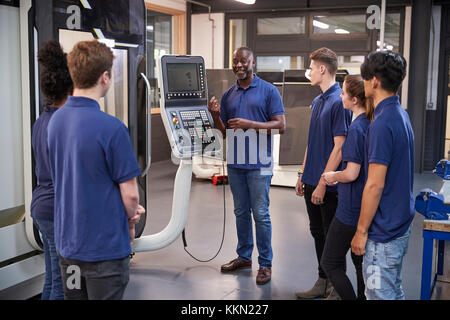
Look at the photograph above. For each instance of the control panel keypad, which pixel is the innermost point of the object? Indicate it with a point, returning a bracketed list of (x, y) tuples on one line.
[(196, 123)]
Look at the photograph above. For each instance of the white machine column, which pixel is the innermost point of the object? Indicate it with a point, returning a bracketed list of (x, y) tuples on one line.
[(180, 208)]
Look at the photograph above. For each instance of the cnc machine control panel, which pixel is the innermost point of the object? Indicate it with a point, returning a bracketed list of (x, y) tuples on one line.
[(184, 106), (196, 123)]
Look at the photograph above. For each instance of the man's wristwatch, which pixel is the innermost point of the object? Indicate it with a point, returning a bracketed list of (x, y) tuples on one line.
[(300, 172)]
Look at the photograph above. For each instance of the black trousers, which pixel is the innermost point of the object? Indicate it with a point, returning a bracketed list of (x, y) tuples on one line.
[(320, 217), (102, 280), (333, 261)]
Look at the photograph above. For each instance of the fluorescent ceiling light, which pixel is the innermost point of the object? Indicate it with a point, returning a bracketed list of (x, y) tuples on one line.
[(247, 1), (150, 28), (385, 45), (341, 31), (109, 42), (130, 45), (86, 4), (320, 25)]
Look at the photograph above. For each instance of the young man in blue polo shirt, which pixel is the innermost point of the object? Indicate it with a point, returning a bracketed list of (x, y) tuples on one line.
[(96, 195), (327, 132), (387, 207), (249, 114)]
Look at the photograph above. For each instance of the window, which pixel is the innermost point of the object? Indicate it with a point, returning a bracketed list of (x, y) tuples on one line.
[(342, 24), (276, 39), (279, 63), (351, 63), (159, 43), (391, 32), (287, 25), (238, 36)]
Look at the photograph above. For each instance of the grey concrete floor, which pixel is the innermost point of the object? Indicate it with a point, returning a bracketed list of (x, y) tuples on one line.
[(170, 273)]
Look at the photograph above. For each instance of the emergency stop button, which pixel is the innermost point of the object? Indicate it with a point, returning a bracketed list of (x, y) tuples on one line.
[(175, 120)]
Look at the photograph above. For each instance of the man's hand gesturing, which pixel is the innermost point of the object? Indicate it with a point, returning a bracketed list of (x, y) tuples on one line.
[(214, 107)]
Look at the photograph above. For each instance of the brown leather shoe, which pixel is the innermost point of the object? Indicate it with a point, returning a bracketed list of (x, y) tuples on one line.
[(235, 264), (264, 275)]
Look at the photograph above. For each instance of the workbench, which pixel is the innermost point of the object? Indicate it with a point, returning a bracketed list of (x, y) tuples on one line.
[(433, 230)]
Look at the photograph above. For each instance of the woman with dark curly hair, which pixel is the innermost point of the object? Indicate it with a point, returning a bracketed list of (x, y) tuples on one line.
[(56, 85)]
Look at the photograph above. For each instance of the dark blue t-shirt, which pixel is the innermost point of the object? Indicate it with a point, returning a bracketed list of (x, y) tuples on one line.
[(390, 141), (44, 194), (260, 101), (90, 155), (328, 120), (350, 194)]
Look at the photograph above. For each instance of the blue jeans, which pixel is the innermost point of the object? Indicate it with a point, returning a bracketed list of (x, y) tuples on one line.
[(53, 289), (382, 268), (250, 191)]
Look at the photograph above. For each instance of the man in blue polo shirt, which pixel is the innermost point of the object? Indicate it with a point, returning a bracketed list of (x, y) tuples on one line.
[(249, 114), (327, 132), (387, 207), (96, 195)]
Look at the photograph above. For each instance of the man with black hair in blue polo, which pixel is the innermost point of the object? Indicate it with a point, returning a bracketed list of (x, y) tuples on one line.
[(387, 207)]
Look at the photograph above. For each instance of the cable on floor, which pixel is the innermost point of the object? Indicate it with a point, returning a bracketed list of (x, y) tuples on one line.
[(223, 232)]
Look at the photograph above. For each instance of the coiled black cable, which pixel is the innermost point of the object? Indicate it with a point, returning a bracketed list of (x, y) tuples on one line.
[(223, 232)]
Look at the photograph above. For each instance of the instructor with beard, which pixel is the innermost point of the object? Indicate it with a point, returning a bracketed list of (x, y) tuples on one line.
[(250, 112)]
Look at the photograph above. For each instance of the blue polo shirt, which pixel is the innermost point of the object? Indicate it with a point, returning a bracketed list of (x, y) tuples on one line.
[(350, 194), (260, 101), (90, 155), (43, 195), (328, 120), (390, 141)]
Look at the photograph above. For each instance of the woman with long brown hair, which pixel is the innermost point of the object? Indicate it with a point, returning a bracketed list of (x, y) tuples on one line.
[(351, 184)]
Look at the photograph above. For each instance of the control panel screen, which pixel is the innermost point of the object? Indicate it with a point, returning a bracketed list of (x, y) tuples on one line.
[(182, 77)]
